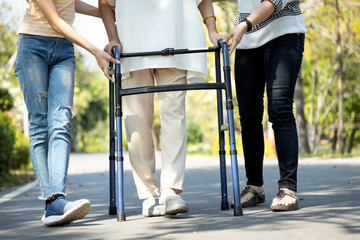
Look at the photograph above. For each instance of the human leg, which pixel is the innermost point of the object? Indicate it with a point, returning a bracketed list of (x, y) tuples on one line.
[(58, 210), (138, 116), (283, 60), (32, 72), (173, 129), (173, 140), (249, 79), (60, 95)]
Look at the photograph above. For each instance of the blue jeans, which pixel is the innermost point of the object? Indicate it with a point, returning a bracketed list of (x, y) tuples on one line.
[(275, 65), (45, 68)]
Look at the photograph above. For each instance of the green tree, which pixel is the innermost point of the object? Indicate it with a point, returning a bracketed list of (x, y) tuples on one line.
[(90, 108), (331, 54), (8, 46)]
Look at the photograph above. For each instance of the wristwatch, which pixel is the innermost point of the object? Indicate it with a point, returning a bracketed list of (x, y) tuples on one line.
[(248, 23)]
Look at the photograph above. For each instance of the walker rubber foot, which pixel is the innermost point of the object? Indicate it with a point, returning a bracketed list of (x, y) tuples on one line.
[(225, 205), (121, 217), (112, 210), (238, 211)]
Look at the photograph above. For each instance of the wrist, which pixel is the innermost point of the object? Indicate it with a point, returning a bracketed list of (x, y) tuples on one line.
[(95, 51), (213, 31), (242, 27), (209, 17), (248, 24)]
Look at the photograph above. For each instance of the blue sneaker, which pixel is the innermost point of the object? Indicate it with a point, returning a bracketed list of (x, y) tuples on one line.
[(61, 211)]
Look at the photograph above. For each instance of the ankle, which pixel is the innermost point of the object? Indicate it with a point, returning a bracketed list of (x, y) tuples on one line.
[(167, 192), (258, 189), (287, 189), (52, 198)]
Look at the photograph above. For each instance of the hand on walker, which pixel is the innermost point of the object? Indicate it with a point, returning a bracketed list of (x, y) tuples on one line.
[(103, 59), (108, 51), (108, 48), (215, 37), (236, 34)]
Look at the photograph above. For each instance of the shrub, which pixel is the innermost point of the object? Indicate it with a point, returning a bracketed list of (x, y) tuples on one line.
[(6, 100), (194, 134), (7, 136), (20, 155)]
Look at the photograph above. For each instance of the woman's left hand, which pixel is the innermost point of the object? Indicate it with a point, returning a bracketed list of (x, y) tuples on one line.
[(236, 34)]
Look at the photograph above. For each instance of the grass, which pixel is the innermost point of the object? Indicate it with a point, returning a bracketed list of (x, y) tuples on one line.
[(16, 177), (324, 151)]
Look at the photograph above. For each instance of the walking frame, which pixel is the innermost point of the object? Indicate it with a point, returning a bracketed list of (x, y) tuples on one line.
[(115, 120)]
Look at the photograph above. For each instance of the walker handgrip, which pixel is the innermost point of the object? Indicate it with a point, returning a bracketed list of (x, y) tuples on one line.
[(225, 51), (116, 53), (220, 42)]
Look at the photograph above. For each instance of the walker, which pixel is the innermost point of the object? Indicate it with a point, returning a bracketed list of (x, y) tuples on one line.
[(115, 121)]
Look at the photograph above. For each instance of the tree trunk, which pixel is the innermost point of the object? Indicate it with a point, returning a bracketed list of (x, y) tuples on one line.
[(300, 117), (82, 137), (351, 140), (311, 128), (339, 146), (333, 139)]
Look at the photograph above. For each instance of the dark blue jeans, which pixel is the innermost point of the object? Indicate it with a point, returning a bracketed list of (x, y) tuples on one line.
[(275, 65)]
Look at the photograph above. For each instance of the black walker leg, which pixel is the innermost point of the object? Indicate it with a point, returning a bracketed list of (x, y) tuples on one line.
[(222, 153), (112, 207)]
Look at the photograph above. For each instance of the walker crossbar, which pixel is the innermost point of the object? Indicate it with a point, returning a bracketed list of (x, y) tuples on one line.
[(169, 52), (116, 94), (173, 87)]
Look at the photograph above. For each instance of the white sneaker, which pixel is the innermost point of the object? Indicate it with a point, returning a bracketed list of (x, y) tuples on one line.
[(43, 217), (151, 207), (61, 211), (174, 204)]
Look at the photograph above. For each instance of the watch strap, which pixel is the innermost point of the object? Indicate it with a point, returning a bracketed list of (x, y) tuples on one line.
[(248, 23)]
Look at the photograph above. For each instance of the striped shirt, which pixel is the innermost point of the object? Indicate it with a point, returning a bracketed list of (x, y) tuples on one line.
[(287, 18), (35, 22)]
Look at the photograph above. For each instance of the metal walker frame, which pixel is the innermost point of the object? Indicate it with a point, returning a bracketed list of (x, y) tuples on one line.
[(116, 93)]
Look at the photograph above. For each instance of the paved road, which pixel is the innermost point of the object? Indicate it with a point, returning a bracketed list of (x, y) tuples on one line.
[(329, 209)]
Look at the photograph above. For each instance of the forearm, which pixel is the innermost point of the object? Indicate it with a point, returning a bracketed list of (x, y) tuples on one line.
[(87, 9), (60, 26), (262, 12), (206, 9), (108, 17), (68, 32)]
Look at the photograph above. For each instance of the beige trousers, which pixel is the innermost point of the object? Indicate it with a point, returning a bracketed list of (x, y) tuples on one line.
[(139, 116)]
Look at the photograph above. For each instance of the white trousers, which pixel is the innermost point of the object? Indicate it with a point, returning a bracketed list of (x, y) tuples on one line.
[(139, 116)]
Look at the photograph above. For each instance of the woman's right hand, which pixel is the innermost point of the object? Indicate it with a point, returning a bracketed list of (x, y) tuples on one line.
[(103, 59)]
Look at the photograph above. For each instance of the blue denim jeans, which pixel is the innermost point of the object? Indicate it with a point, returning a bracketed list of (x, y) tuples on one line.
[(275, 65), (45, 68)]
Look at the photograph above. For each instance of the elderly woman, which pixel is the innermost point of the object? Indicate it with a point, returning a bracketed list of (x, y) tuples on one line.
[(148, 25)]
